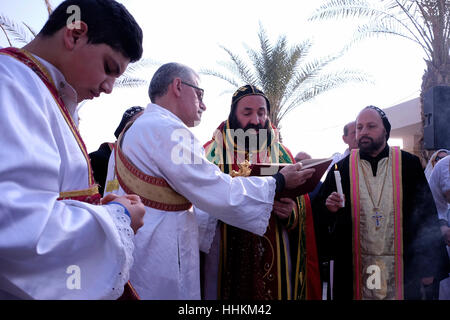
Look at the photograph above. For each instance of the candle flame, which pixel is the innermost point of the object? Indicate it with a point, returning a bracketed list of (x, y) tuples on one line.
[(335, 166)]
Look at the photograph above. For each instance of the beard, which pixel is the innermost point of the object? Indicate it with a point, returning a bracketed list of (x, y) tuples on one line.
[(369, 145), (250, 144), (235, 124)]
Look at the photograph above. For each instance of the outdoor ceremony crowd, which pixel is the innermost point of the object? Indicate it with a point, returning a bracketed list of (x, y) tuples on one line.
[(159, 215)]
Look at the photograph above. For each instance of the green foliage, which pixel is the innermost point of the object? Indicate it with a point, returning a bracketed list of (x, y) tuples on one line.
[(284, 73), (425, 22)]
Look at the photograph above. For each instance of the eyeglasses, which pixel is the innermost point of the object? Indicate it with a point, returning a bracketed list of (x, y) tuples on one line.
[(439, 158), (199, 91)]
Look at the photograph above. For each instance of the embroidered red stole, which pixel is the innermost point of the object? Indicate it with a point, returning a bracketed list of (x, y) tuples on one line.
[(90, 194), (154, 192)]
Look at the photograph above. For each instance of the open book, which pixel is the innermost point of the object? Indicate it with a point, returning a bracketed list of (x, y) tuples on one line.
[(268, 169)]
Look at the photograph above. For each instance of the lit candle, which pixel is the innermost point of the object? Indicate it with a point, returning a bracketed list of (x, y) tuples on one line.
[(337, 177)]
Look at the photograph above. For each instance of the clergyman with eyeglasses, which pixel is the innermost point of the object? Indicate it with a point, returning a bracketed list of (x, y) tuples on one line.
[(158, 158)]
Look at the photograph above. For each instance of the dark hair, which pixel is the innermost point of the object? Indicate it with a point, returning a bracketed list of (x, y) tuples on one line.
[(109, 22), (165, 75), (244, 91), (129, 114)]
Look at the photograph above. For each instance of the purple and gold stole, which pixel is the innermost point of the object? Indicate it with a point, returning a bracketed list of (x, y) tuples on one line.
[(360, 245)]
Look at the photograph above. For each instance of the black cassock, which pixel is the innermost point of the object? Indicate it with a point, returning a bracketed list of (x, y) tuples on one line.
[(99, 163), (424, 255)]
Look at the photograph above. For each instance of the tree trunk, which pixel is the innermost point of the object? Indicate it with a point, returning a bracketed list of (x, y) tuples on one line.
[(433, 76)]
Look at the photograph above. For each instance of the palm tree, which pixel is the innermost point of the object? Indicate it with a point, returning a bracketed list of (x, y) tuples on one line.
[(425, 22), (283, 74), (16, 33), (20, 34)]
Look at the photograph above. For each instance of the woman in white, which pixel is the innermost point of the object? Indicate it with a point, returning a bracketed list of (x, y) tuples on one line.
[(440, 187), (435, 157)]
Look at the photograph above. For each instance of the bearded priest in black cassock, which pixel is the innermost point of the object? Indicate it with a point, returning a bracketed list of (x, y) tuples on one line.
[(385, 241)]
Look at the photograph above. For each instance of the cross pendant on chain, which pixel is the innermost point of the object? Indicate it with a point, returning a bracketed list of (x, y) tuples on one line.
[(378, 216)]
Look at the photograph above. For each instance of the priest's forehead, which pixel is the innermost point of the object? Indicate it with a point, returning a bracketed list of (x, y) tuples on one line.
[(369, 115), (252, 102)]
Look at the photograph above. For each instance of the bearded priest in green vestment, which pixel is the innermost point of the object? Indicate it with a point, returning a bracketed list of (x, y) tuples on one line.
[(282, 264)]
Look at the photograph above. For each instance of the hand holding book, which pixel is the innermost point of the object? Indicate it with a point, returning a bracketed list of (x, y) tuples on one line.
[(299, 178), (295, 175)]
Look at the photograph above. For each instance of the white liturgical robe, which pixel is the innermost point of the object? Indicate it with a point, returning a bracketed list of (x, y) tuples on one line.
[(49, 248), (166, 257), (440, 187)]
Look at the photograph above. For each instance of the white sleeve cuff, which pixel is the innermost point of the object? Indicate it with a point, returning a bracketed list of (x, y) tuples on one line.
[(122, 222), (206, 229)]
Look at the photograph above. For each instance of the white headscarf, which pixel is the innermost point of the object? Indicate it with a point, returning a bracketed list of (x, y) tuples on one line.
[(432, 162)]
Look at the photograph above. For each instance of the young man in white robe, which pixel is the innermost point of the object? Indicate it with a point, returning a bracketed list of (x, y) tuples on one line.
[(159, 158), (56, 241)]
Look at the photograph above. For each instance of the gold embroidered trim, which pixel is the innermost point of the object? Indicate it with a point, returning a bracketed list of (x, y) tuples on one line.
[(79, 193)]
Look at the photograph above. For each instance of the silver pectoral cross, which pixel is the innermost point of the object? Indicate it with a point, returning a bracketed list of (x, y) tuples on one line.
[(378, 216)]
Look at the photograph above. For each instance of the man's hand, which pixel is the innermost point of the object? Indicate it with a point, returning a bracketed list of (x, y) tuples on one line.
[(334, 202), (283, 207), (427, 281), (134, 206), (294, 176)]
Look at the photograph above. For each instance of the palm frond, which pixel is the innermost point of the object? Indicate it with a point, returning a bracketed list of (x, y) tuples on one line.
[(426, 23), (133, 75), (309, 71), (336, 9), (415, 22), (283, 73), (242, 69), (138, 69), (384, 28), (262, 60), (219, 75), (14, 30), (49, 7), (6, 35), (325, 83), (34, 33), (129, 82)]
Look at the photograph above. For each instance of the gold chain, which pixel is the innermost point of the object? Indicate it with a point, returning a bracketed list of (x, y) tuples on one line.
[(370, 190)]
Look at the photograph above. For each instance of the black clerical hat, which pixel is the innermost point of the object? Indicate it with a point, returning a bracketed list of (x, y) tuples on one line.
[(127, 115), (247, 90)]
